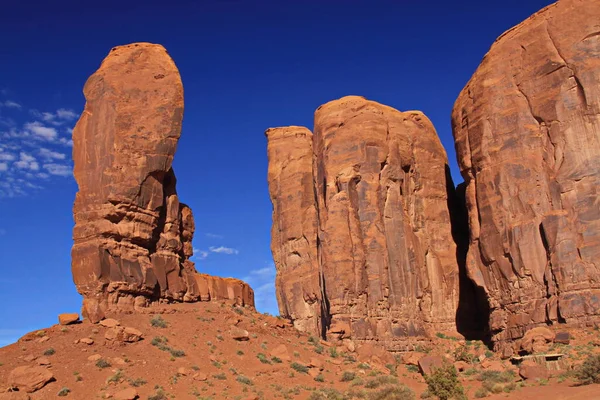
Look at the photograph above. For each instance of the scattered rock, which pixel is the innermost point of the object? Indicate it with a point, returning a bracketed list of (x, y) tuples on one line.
[(200, 376), (412, 358), (315, 363), (531, 370), (427, 363), (88, 341), (43, 361), (182, 371), (43, 339), (368, 351), (281, 352), (29, 358), (537, 340), (94, 357), (110, 323), (314, 372), (239, 334), (29, 379), (492, 365), (68, 319), (563, 338), (350, 346), (121, 334), (126, 394)]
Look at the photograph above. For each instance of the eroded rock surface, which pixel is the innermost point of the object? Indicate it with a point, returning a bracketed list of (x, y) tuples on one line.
[(527, 132), (361, 233), (132, 235)]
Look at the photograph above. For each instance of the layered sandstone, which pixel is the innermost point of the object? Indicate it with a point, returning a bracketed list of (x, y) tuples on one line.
[(361, 234), (132, 235), (527, 133)]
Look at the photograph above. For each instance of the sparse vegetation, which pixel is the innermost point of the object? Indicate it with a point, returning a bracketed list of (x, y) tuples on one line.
[(347, 376), (398, 392), (50, 352), (116, 377), (589, 371), (158, 395), (161, 343), (137, 382), (320, 378), (220, 376), (102, 363), (381, 381), (276, 360), (443, 382), (240, 353), (64, 392), (462, 353), (158, 322), (263, 358), (244, 380), (333, 352), (299, 367)]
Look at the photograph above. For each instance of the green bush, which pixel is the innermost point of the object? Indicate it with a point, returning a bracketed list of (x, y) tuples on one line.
[(243, 379), (102, 363), (443, 382), (64, 392), (158, 322), (299, 367), (589, 371), (320, 378), (263, 359), (481, 393), (50, 352), (381, 381), (399, 392), (347, 376)]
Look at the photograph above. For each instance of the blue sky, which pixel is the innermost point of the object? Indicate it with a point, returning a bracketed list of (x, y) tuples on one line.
[(246, 66)]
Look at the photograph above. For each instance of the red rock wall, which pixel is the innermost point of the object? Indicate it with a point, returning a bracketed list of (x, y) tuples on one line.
[(527, 132), (132, 236), (367, 221)]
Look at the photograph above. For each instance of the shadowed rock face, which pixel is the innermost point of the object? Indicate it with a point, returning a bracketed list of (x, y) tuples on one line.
[(361, 233), (132, 235), (527, 133)]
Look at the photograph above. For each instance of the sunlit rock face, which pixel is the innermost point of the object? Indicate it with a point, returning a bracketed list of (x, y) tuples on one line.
[(527, 133)]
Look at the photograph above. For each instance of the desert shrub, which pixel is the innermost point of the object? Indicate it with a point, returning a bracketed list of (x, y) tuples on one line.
[(589, 371), (326, 394), (240, 353), (496, 381), (481, 393), (320, 378), (116, 377), (158, 395), (461, 353), (364, 366), (161, 343), (102, 363), (64, 392), (137, 382), (243, 379), (299, 367), (158, 322), (443, 382), (220, 376), (347, 376), (263, 358), (398, 392), (412, 368), (50, 352), (333, 352), (319, 349), (276, 360), (381, 381)]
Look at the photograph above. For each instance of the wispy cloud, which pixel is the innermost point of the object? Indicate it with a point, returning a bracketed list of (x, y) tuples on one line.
[(262, 281), (223, 250), (10, 104), (214, 235), (200, 254), (32, 153)]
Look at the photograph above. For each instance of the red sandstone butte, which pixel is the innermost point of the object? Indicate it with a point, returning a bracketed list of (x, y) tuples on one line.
[(361, 233), (132, 235), (527, 133)]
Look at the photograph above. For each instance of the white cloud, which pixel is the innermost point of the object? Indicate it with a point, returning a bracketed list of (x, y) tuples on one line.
[(66, 142), (6, 156), (214, 236), (10, 104), (61, 116), (68, 115), (58, 169), (223, 250), (44, 132), (51, 155), (3, 167), (200, 254), (27, 162)]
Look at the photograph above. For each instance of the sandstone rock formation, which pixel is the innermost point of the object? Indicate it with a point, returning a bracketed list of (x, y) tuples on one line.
[(527, 132), (361, 233), (132, 235)]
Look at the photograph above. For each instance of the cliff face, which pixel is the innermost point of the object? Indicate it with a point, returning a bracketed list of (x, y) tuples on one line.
[(527, 133), (132, 235), (362, 237)]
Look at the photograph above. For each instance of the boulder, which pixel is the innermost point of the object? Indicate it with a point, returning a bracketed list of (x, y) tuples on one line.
[(346, 208), (412, 358), (536, 340), (132, 235), (281, 352), (109, 322), (530, 370), (126, 394), (29, 379), (68, 319), (122, 334), (200, 376), (88, 341), (239, 334), (526, 130), (428, 363)]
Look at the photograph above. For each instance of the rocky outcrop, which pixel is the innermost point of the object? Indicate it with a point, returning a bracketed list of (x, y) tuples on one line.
[(527, 132), (132, 235), (361, 233)]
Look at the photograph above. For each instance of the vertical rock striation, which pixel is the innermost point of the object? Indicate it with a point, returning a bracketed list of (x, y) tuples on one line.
[(132, 235), (527, 133), (362, 237)]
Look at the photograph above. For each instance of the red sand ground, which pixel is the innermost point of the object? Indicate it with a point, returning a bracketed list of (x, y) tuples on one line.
[(202, 331)]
